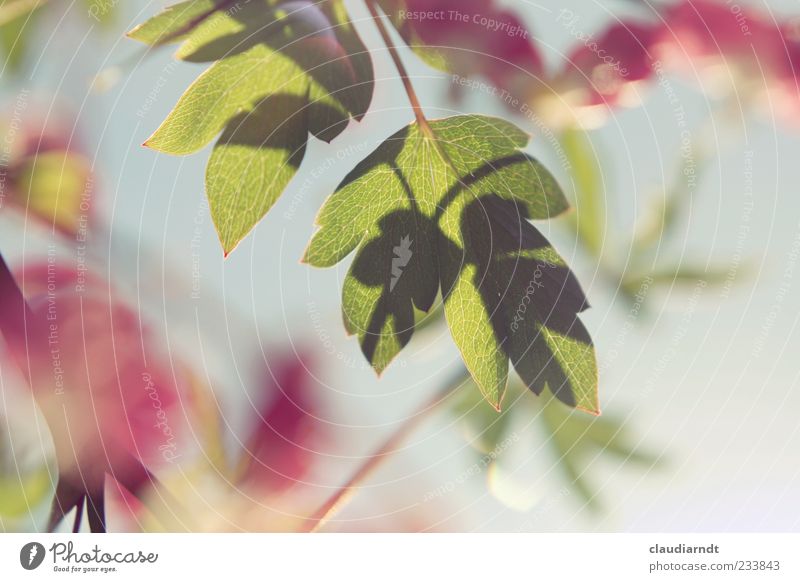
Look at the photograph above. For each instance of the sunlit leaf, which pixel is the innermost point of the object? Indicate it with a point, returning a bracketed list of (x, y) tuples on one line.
[(282, 70), (446, 206), (176, 21)]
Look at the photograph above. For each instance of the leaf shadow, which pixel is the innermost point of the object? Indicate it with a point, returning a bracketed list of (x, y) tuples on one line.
[(273, 123), (524, 286), (526, 289), (303, 32)]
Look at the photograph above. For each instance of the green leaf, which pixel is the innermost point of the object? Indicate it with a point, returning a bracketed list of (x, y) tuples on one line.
[(283, 70), (176, 21), (575, 437), (17, 26), (446, 206)]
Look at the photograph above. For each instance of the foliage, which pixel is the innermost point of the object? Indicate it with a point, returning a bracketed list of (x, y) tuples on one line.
[(445, 203), (281, 71)]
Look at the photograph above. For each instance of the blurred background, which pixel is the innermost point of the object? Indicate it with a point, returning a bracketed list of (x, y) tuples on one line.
[(685, 237)]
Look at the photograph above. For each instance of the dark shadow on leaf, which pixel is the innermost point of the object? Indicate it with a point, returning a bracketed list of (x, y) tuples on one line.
[(303, 31), (275, 26), (489, 168), (277, 122), (391, 148), (526, 289), (399, 265)]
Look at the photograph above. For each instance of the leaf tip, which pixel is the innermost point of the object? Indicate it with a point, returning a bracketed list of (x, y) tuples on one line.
[(594, 411), (227, 247), (592, 407)]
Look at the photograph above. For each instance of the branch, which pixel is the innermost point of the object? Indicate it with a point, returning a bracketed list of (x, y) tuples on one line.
[(328, 509)]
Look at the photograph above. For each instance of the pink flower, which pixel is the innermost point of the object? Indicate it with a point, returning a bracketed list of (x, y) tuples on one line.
[(108, 398), (601, 72), (603, 68), (474, 37), (281, 447), (733, 50), (49, 176)]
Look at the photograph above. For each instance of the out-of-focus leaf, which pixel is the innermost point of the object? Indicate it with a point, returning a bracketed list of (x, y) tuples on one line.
[(207, 422), (589, 218), (22, 494), (11, 10), (485, 428), (23, 487), (664, 214), (691, 275), (283, 69), (14, 39), (574, 437), (446, 205), (18, 19)]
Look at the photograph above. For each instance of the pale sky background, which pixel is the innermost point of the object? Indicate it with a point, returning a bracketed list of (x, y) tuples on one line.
[(712, 379)]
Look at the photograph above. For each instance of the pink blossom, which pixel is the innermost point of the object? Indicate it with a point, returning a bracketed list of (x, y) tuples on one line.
[(108, 397), (281, 447)]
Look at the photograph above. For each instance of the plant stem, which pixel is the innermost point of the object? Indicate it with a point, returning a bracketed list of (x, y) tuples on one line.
[(398, 63), (328, 509), (391, 444), (422, 121)]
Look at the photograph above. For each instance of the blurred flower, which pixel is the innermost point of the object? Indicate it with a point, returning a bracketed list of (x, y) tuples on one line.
[(736, 51), (108, 398), (707, 33), (281, 448), (468, 37), (259, 485), (729, 49), (600, 73), (478, 38), (46, 174)]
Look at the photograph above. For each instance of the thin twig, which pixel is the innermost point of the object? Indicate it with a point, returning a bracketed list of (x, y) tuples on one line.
[(398, 63), (388, 448)]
